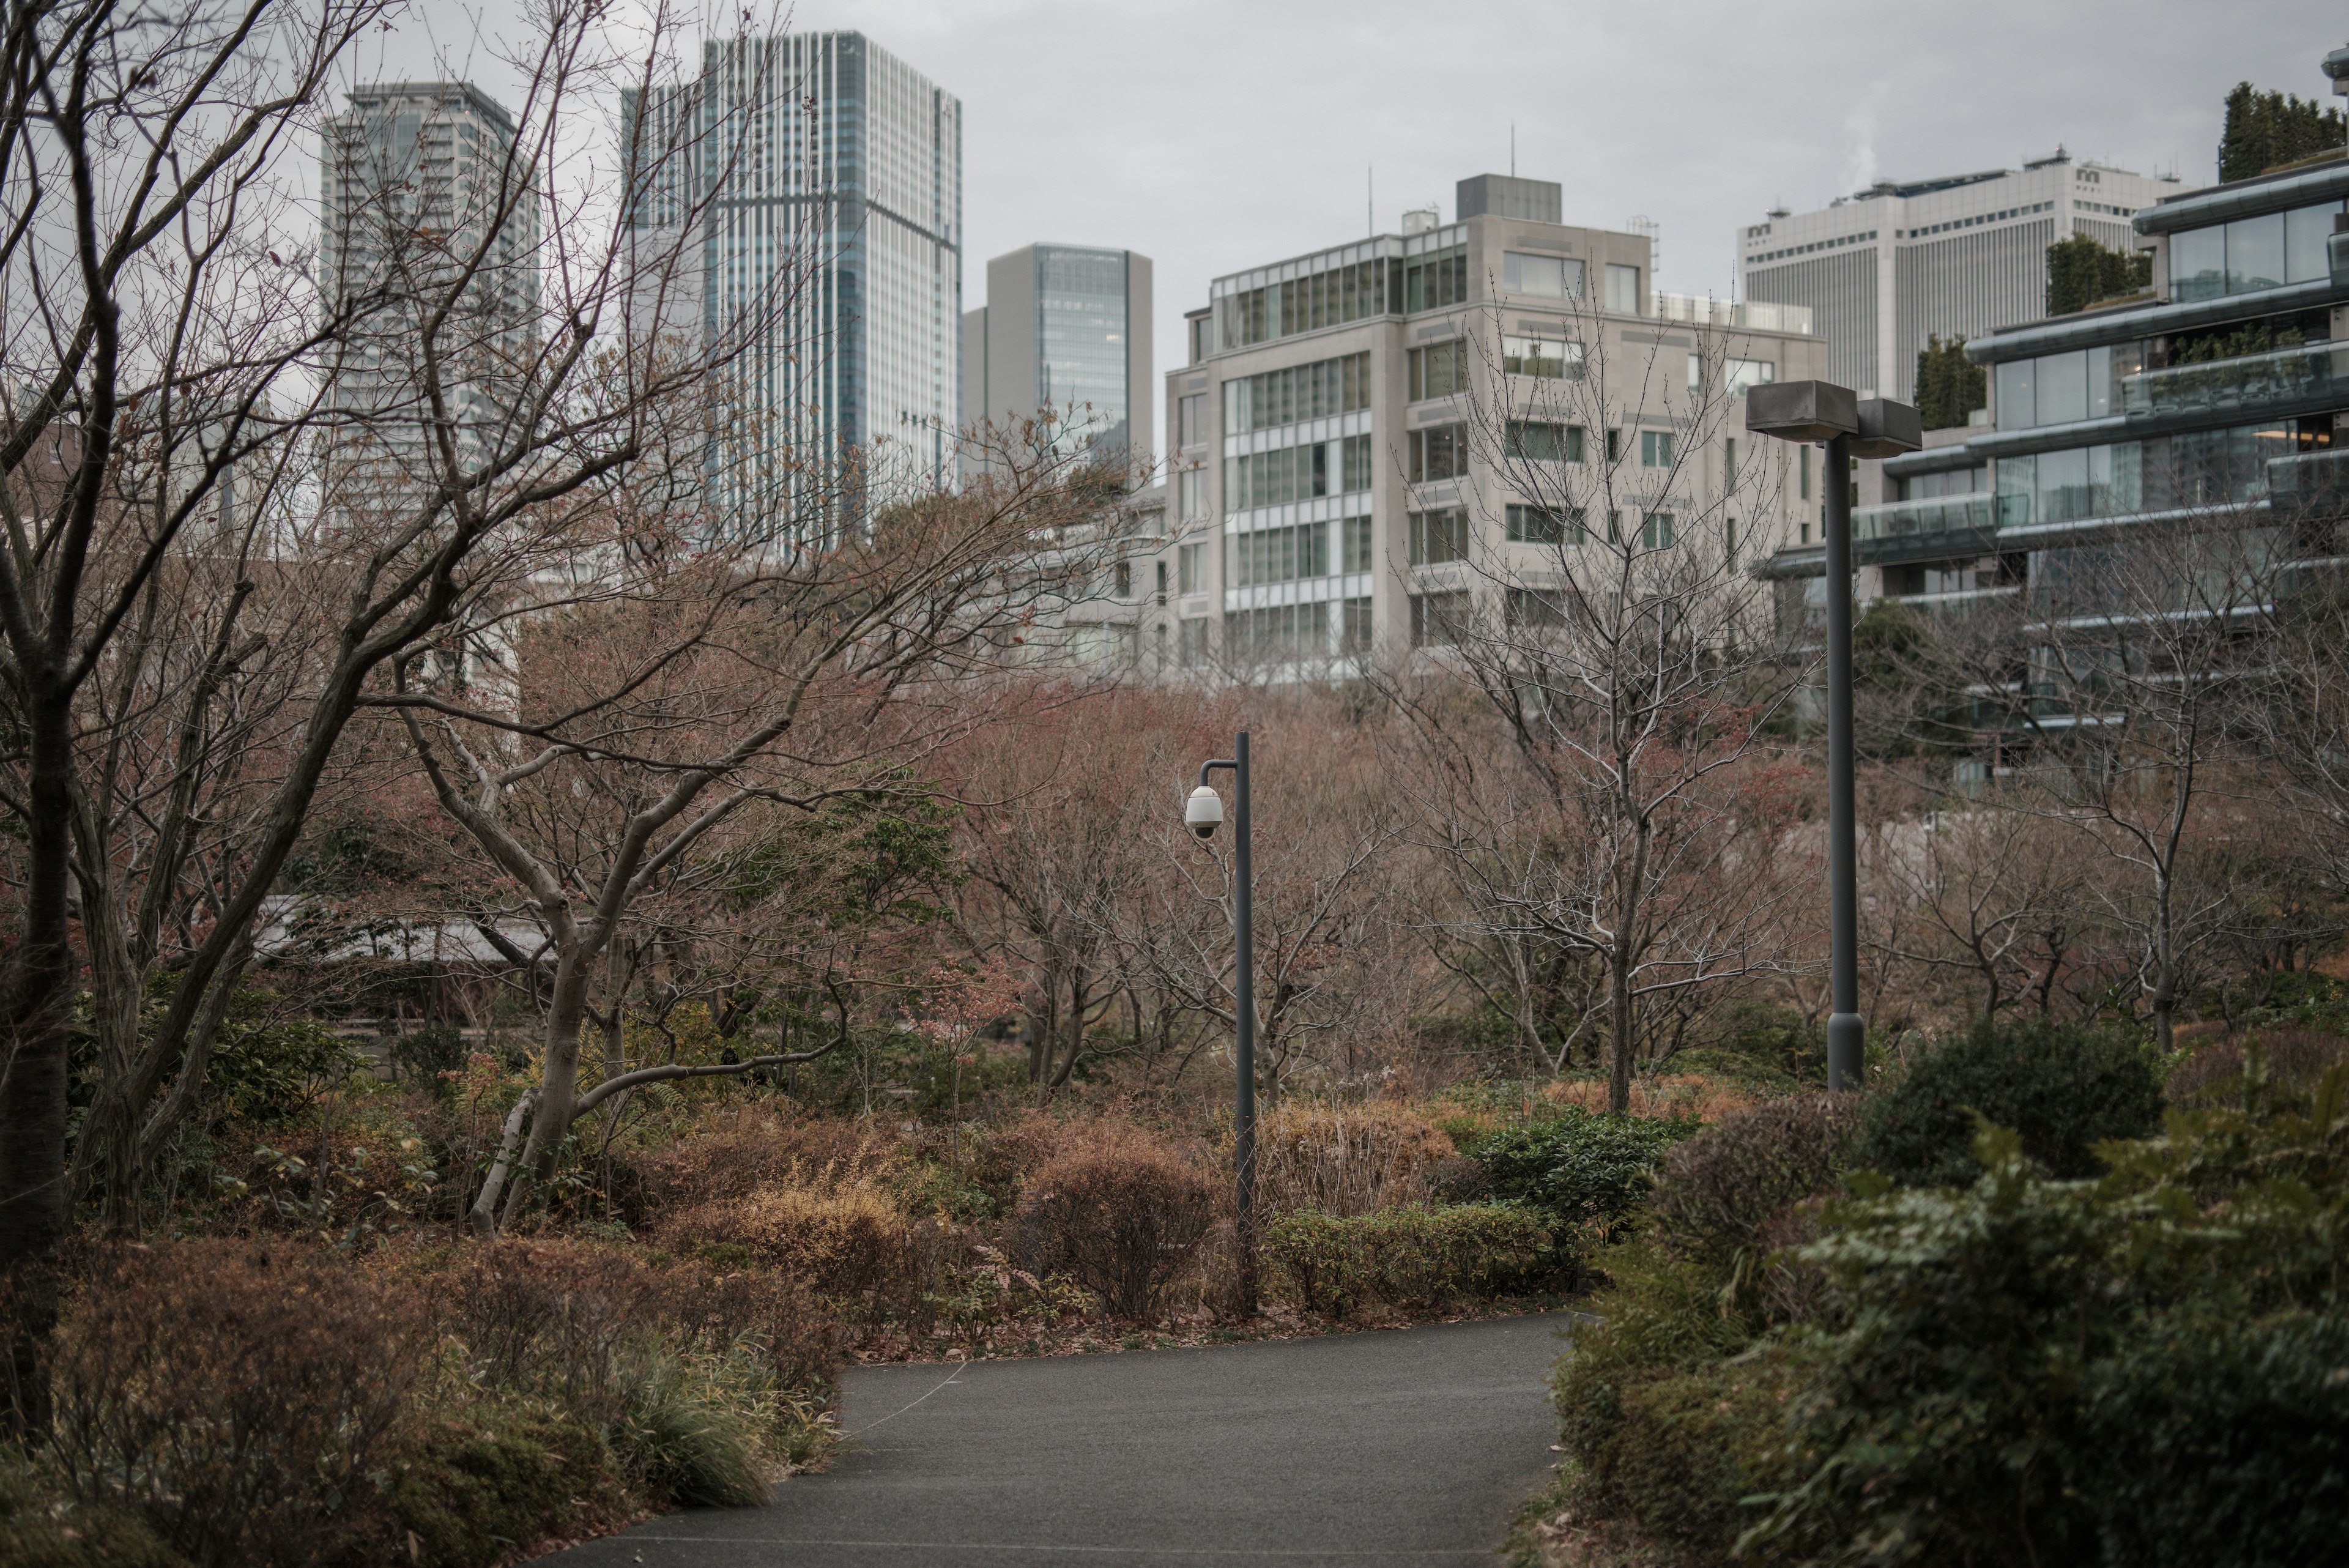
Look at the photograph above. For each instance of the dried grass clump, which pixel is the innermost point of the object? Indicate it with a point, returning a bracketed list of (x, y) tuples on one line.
[(239, 1400), (1118, 1209), (842, 1234), (732, 1154), (1666, 1094), (1346, 1159)]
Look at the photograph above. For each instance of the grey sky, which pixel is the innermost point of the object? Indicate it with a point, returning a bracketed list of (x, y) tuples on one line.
[(1219, 134)]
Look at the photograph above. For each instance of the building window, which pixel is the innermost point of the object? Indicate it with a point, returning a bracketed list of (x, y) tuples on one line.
[(1623, 289), (1354, 633), (1439, 370), (1439, 536), (1277, 554), (1334, 295), (1729, 463), (1544, 524), (1729, 543), (1354, 545), (1125, 579), (1191, 494), (1191, 643), (1803, 464), (1297, 474), (1614, 446), (1162, 582), (1655, 449), (1542, 442), (1434, 281), (1189, 562), (1656, 531), (1551, 358), (1436, 619), (1439, 452), (1192, 420), (1550, 277), (1318, 391), (1742, 376), (1278, 632), (1533, 607)]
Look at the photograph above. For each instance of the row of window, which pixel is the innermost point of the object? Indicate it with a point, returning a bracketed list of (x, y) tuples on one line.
[(1440, 533), (1431, 282), (1441, 451), (1328, 298), (1560, 277), (1297, 474), (2063, 389), (2252, 253), (1285, 632), (1319, 390), (1441, 369)]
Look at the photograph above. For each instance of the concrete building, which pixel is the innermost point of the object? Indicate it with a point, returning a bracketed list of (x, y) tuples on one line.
[(405, 159), (1885, 268), (2217, 404), (1324, 492), (824, 175), (1065, 327)]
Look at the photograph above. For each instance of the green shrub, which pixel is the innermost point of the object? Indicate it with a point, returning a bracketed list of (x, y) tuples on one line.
[(423, 1054), (502, 1477), (2142, 1369), (1717, 1194), (1691, 1446), (1581, 1170), (1404, 1257), (39, 1529), (692, 1433), (2061, 1087)]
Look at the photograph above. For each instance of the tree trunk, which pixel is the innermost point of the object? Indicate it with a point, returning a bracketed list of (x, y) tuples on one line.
[(558, 1092)]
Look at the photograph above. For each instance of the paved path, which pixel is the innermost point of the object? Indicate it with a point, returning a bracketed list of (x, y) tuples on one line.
[(1395, 1447)]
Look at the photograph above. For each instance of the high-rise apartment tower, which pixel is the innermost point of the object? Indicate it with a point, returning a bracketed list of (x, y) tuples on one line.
[(1065, 327)]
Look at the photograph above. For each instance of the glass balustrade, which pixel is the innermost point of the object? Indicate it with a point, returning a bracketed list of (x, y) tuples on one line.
[(1923, 522), (2248, 385), (2310, 481)]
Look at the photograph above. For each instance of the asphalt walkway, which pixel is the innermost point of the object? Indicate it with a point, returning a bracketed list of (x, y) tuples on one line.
[(1385, 1448)]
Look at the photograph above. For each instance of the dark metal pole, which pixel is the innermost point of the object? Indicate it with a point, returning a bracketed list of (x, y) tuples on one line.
[(1244, 1063), (1847, 1030)]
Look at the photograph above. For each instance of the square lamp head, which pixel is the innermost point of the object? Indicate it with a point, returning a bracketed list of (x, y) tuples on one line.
[(1887, 429), (1802, 411)]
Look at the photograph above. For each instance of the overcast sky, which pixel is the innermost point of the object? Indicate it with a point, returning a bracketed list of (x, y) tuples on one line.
[(1213, 135)]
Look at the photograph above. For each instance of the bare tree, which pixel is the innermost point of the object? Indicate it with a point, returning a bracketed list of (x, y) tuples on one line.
[(1624, 664)]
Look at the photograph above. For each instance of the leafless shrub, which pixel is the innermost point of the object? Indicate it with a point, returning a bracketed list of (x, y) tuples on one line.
[(1118, 1209)]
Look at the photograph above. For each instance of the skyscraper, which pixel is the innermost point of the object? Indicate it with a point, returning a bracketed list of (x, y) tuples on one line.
[(1064, 327), (1887, 268), (824, 177), (419, 179)]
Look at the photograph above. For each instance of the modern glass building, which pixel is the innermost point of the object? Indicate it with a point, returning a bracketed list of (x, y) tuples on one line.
[(1885, 268), (404, 159), (1065, 327), (826, 177), (2216, 404)]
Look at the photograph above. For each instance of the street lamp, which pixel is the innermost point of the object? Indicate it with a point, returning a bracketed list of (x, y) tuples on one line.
[(1203, 812), (1851, 427)]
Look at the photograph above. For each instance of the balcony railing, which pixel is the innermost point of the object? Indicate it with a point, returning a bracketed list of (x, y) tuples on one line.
[(2310, 481), (2253, 385), (1906, 530)]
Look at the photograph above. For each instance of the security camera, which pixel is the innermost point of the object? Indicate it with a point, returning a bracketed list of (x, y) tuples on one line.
[(1204, 811)]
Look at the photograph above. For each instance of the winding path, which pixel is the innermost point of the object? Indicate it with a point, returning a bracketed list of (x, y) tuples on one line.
[(1386, 1447)]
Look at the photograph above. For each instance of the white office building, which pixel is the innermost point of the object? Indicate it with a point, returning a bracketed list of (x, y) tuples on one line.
[(1883, 269)]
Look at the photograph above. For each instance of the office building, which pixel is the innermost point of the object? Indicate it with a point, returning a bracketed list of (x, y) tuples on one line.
[(823, 175), (1066, 327), (1325, 497), (1886, 268), (419, 178), (2219, 401)]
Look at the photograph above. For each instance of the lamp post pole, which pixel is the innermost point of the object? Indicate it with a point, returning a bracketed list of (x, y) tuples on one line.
[(1849, 426), (1847, 1030), (1243, 1007)]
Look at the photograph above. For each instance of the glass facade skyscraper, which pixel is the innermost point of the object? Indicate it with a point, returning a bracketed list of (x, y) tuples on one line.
[(1065, 327), (824, 176)]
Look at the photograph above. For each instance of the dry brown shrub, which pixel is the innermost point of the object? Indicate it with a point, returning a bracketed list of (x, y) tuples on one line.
[(841, 1233), (239, 1398), (1344, 1159), (1665, 1095), (1117, 1207), (732, 1154)]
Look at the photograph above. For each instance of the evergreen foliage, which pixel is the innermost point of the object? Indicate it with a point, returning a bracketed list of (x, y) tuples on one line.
[(2267, 129), (1949, 385), (2080, 271)]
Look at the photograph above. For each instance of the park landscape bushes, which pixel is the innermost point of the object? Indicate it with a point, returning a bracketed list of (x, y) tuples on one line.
[(1802, 1359)]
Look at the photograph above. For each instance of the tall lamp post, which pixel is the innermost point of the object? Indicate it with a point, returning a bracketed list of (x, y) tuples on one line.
[(1203, 812), (1851, 427)]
